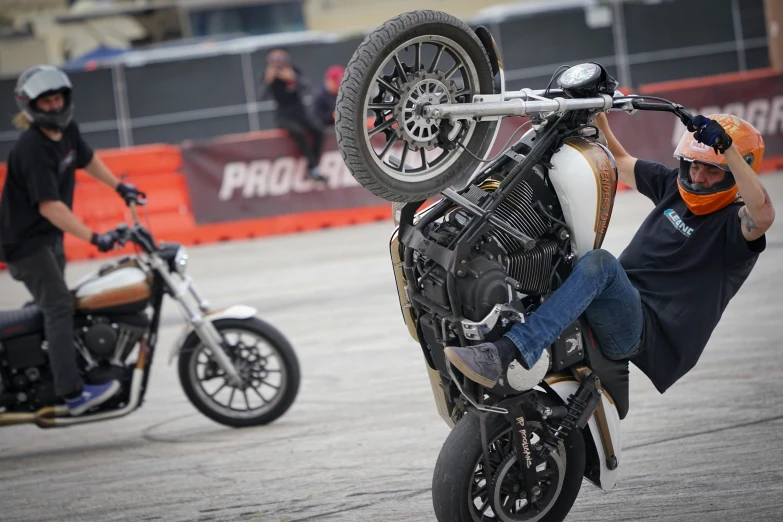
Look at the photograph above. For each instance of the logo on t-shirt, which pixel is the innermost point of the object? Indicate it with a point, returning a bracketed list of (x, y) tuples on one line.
[(67, 161), (678, 223)]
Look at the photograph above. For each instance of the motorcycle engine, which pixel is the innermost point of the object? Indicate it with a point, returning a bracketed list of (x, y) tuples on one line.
[(481, 279), (112, 338)]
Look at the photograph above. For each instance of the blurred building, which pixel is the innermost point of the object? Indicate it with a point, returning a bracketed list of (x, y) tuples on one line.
[(56, 31)]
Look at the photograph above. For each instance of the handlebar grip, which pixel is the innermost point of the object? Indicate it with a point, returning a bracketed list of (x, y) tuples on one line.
[(678, 110)]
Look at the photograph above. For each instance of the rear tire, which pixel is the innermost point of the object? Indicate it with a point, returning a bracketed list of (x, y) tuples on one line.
[(351, 110), (453, 477)]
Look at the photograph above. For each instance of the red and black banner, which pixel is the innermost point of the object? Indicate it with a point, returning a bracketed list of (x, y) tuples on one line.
[(263, 174)]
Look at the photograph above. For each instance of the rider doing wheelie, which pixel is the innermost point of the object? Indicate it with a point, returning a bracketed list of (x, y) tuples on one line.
[(35, 210), (699, 243)]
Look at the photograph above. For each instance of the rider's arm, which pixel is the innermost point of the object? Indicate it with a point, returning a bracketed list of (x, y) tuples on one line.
[(98, 170), (758, 213), (61, 216), (624, 161)]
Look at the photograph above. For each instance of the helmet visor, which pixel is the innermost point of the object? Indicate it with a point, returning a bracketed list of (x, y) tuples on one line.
[(691, 151), (43, 81)]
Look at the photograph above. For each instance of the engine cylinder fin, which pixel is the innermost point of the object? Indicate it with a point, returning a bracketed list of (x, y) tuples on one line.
[(129, 336), (532, 268), (517, 210)]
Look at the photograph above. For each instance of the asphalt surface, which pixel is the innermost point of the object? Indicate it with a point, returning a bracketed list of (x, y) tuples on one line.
[(361, 440)]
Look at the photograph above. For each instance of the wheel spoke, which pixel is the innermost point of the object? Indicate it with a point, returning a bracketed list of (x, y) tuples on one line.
[(436, 59), (386, 149), (259, 394), (454, 69), (403, 156), (212, 395), (231, 398), (403, 78), (383, 126), (423, 153), (417, 59), (383, 106), (270, 385), (247, 402), (389, 87)]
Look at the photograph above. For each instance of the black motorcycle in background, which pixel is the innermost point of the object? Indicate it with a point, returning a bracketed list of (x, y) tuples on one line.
[(234, 368)]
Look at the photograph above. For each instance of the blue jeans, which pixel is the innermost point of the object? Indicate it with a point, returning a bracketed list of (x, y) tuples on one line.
[(599, 287)]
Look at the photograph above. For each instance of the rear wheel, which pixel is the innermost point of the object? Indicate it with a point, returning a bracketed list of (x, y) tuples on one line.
[(413, 60), (462, 490)]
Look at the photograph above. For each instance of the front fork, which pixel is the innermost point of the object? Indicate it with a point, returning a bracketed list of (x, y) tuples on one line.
[(203, 327)]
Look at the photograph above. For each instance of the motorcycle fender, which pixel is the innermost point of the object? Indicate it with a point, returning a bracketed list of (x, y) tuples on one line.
[(608, 478), (232, 312)]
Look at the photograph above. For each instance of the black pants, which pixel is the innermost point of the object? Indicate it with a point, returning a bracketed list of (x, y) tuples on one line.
[(296, 123), (43, 274)]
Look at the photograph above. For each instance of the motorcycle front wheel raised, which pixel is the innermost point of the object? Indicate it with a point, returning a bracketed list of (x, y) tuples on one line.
[(265, 360), (416, 59), (463, 492)]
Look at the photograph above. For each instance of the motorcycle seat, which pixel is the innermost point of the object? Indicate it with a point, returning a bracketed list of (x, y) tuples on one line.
[(614, 376), (14, 323)]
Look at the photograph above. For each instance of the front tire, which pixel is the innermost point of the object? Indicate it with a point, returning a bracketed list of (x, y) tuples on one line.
[(390, 76), (460, 491), (259, 366)]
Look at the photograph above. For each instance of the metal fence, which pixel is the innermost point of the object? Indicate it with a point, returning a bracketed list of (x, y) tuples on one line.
[(153, 98)]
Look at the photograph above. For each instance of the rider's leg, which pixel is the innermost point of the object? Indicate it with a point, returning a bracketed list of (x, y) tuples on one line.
[(42, 274), (598, 286)]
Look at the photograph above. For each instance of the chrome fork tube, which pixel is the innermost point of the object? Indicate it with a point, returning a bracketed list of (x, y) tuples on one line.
[(204, 328)]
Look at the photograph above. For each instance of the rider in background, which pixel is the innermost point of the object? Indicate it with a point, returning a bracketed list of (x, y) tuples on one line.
[(326, 99), (284, 82), (660, 302), (36, 208)]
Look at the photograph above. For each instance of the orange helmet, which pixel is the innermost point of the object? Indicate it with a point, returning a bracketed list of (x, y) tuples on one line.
[(745, 138)]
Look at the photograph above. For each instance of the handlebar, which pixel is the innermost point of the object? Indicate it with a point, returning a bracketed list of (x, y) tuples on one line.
[(513, 107), (136, 234), (516, 106)]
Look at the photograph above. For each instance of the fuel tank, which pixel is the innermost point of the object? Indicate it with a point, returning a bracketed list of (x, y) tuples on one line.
[(584, 176), (120, 287)]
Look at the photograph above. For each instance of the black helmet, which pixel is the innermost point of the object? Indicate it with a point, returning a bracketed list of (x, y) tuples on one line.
[(39, 81)]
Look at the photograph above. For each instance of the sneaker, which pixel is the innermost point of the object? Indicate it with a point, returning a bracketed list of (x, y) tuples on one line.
[(92, 395), (480, 363)]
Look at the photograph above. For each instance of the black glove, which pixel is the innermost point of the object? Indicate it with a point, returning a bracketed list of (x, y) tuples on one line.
[(710, 133), (131, 194), (104, 242)]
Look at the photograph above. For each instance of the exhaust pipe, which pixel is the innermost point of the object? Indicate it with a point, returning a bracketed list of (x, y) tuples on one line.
[(58, 416)]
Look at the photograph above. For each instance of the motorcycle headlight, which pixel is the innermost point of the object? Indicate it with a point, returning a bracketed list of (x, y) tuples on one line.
[(580, 80), (181, 261)]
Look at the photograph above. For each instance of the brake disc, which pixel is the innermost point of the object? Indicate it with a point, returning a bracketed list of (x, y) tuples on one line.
[(422, 89)]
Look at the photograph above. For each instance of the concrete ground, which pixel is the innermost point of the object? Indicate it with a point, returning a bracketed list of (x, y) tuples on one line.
[(361, 440)]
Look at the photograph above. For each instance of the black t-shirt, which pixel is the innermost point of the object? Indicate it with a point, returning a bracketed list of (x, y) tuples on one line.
[(39, 169), (686, 268), (287, 94)]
